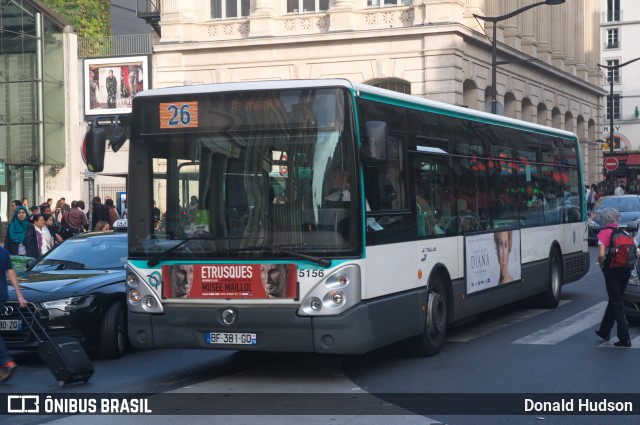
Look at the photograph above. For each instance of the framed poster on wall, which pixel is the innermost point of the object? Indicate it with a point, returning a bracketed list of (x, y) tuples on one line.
[(111, 83)]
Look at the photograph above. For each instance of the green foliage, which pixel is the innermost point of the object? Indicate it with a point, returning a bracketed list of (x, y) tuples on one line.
[(90, 18)]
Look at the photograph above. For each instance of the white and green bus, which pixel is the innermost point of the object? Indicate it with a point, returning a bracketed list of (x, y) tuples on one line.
[(335, 217)]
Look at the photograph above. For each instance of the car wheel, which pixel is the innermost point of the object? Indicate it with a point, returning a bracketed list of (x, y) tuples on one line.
[(113, 332), (430, 342), (551, 297)]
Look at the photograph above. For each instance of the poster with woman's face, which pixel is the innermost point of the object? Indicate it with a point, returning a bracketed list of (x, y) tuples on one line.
[(110, 84), (492, 259)]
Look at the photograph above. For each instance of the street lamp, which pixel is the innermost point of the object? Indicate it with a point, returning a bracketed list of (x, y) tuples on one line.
[(613, 68), (494, 49), (611, 79)]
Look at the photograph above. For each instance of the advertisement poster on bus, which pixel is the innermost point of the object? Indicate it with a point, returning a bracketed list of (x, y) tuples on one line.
[(492, 259), (225, 281)]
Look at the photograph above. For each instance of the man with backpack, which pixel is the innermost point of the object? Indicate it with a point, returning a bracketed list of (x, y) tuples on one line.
[(616, 254)]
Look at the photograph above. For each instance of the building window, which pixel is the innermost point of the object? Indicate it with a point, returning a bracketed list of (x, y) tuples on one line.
[(383, 3), (613, 74), (613, 39), (613, 10), (221, 9), (395, 85), (297, 6), (616, 107)]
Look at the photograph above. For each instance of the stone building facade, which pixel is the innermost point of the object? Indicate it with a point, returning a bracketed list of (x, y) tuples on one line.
[(435, 49)]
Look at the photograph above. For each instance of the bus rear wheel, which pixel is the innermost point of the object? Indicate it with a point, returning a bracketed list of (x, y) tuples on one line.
[(430, 342)]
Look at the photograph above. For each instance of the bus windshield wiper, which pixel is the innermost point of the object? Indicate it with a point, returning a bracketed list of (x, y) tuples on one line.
[(320, 261), (156, 258)]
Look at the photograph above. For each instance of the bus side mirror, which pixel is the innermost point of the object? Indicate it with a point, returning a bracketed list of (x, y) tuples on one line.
[(374, 145), (93, 148)]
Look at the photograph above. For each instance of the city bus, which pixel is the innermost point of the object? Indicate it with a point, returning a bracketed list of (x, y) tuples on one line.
[(334, 217)]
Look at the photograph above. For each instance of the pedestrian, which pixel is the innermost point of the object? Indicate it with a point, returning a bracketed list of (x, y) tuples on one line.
[(42, 233), (21, 236), (54, 229), (100, 212), (49, 222), (7, 364), (32, 211), (619, 190), (101, 226), (73, 222), (615, 280), (113, 211), (591, 197), (14, 204)]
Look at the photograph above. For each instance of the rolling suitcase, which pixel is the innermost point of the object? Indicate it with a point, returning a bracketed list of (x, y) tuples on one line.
[(64, 356)]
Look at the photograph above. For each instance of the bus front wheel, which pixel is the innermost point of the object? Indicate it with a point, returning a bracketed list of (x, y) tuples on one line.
[(430, 342)]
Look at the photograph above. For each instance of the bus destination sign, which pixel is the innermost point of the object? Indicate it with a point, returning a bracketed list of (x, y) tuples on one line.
[(179, 115)]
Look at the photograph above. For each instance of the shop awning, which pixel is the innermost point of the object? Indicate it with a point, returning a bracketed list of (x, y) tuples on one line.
[(633, 159)]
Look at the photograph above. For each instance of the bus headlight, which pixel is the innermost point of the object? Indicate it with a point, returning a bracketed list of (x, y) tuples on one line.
[(132, 280), (338, 292), (337, 297), (141, 297), (134, 296)]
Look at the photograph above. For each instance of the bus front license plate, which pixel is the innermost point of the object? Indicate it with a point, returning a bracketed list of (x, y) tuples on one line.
[(10, 325), (223, 338)]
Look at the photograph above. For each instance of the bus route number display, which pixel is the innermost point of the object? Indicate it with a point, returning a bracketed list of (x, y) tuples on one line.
[(177, 115)]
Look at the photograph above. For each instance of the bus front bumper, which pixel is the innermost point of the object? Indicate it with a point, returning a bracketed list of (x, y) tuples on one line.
[(275, 329)]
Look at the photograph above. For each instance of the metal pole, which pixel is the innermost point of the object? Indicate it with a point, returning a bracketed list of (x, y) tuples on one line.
[(611, 135), (611, 113), (494, 70)]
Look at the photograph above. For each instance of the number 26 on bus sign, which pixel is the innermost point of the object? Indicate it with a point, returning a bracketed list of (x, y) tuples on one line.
[(174, 115)]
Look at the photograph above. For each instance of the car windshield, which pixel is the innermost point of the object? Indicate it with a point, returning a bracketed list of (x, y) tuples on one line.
[(622, 204), (92, 253)]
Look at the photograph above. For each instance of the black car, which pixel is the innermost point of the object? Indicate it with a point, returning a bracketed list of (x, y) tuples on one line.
[(627, 205), (78, 290)]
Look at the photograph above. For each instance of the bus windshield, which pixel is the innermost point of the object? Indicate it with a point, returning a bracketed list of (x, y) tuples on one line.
[(262, 175)]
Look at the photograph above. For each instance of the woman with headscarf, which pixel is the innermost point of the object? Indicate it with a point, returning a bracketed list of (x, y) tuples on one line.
[(21, 235)]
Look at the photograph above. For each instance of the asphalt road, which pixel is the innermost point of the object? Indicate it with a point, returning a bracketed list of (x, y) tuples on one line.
[(489, 366)]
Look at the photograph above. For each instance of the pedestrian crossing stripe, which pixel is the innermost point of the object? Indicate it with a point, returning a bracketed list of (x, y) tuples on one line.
[(567, 328), (588, 319)]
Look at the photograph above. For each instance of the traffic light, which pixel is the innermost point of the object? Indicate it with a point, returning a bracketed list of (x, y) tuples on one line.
[(93, 148)]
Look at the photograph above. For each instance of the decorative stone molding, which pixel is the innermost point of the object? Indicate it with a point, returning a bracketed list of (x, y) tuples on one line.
[(228, 30), (386, 18), (306, 24)]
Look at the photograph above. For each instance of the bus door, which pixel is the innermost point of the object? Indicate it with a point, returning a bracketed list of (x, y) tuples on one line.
[(436, 211)]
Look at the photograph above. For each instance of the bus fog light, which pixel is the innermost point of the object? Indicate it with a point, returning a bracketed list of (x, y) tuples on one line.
[(344, 280), (149, 302), (337, 297), (132, 280), (316, 304), (135, 296)]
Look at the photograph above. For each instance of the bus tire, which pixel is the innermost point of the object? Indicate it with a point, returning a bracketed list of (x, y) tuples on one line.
[(113, 332), (430, 342), (551, 297)]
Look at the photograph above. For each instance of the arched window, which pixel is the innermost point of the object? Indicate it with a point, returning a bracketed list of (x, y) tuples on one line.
[(393, 84)]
